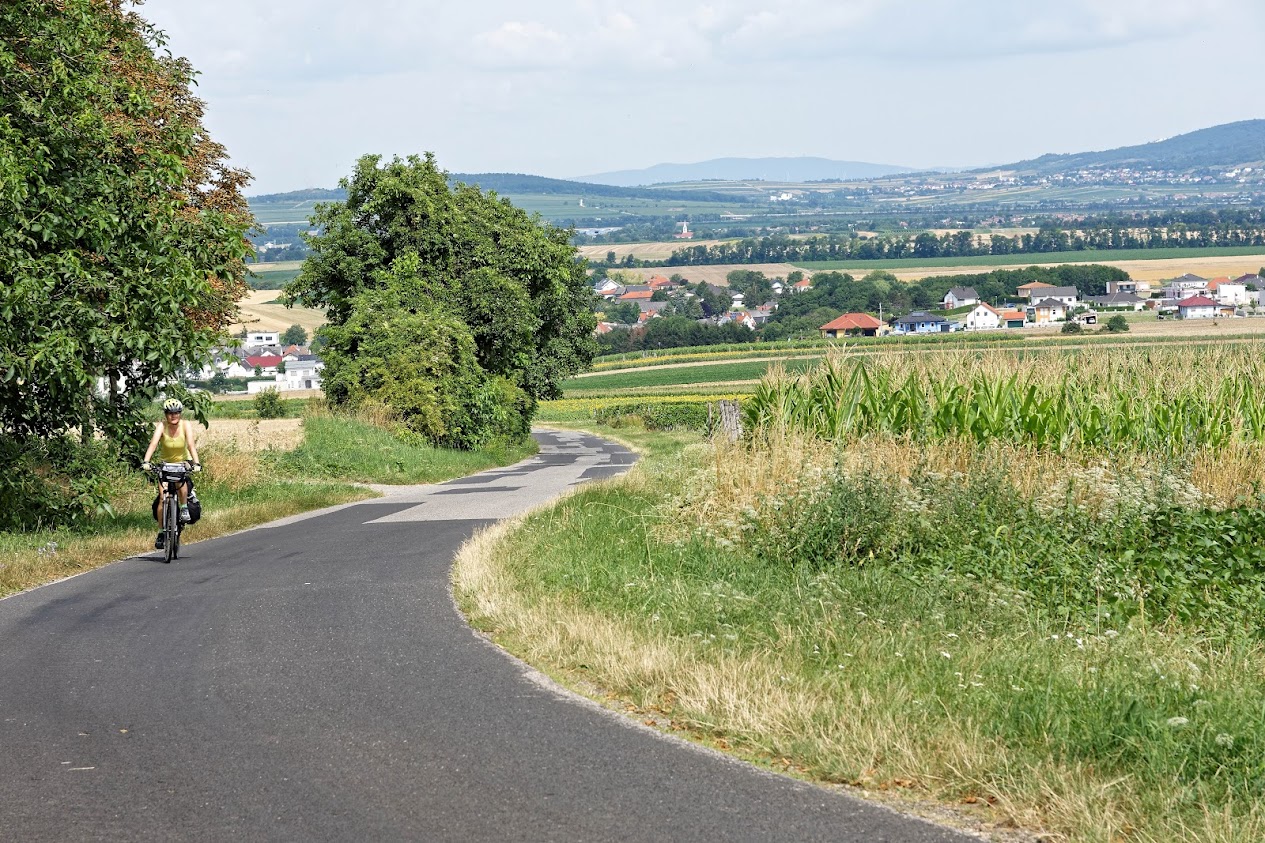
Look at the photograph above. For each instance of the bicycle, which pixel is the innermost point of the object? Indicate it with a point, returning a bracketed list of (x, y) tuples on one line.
[(173, 475)]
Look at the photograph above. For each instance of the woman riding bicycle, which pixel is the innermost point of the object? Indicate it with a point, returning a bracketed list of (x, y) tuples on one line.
[(173, 439)]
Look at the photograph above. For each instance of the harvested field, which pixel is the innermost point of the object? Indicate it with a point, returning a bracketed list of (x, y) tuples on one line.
[(1214, 266), (261, 312), (715, 274), (252, 434)]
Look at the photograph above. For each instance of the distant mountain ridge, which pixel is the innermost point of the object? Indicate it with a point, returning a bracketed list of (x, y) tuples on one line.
[(1228, 145), (801, 169)]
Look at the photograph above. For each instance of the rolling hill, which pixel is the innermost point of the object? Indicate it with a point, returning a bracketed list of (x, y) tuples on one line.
[(802, 169), (1229, 145)]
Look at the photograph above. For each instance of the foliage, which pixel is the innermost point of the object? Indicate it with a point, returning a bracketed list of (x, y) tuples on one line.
[(688, 414), (121, 225), (294, 335), (1100, 399), (268, 404), (1070, 327), (1117, 324), (55, 481), (450, 306)]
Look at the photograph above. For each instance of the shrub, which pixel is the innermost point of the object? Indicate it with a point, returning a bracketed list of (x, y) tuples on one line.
[(268, 404), (1070, 328), (55, 481), (1117, 324)]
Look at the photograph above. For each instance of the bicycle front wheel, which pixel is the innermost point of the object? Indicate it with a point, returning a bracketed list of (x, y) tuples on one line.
[(171, 526)]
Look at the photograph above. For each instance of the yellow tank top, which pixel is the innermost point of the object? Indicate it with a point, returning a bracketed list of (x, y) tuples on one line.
[(173, 448)]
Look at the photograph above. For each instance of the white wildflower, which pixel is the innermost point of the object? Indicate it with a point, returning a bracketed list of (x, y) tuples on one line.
[(1224, 740), (1177, 722)]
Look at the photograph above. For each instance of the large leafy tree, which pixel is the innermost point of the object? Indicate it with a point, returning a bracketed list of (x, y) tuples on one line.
[(121, 224), (410, 259)]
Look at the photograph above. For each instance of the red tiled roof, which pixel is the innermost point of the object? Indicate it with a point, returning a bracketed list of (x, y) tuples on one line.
[(853, 322), (263, 361), (636, 294), (1197, 301)]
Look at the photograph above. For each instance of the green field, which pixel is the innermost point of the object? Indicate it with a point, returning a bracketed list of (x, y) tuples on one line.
[(1083, 256), (718, 373), (273, 277)]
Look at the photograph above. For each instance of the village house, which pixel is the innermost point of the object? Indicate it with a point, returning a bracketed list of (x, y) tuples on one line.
[(636, 295), (606, 288), (852, 325), (922, 322), (742, 317), (1141, 289), (1186, 286), (960, 297), (1047, 312), (254, 339), (1129, 300), (1069, 296), (1037, 288), (1228, 292), (982, 318), (1198, 307)]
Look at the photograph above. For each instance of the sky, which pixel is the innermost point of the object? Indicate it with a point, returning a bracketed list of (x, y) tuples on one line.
[(297, 90)]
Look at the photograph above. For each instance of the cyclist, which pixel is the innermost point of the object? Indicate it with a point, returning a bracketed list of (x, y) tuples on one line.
[(173, 439)]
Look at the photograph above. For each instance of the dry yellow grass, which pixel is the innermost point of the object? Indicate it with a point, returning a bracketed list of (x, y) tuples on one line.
[(713, 274), (252, 434), (1140, 270), (261, 312)]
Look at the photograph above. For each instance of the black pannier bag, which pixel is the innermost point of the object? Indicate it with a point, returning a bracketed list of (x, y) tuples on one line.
[(195, 505)]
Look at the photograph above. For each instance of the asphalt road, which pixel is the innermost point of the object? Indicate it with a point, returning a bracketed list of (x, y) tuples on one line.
[(312, 680)]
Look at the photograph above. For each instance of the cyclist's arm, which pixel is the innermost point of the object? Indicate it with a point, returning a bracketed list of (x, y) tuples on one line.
[(153, 441), (188, 439)]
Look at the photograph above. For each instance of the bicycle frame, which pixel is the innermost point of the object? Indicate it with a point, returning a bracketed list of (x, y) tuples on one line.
[(170, 477)]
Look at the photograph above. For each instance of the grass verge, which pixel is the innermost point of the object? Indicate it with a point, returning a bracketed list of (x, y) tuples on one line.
[(935, 684)]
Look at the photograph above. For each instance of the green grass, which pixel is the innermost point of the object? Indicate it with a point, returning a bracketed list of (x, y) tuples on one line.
[(704, 374), (1086, 256), (929, 679), (272, 279), (335, 447)]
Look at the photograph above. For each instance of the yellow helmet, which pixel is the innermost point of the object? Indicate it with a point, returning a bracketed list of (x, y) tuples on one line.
[(173, 405)]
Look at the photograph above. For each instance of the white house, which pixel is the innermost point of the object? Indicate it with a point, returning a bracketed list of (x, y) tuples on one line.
[(1226, 291), (1068, 296), (1198, 307), (960, 297), (254, 339), (983, 318), (1141, 289), (1187, 286), (301, 372)]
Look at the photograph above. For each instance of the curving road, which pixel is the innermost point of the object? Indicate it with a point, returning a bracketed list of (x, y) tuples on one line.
[(311, 680)]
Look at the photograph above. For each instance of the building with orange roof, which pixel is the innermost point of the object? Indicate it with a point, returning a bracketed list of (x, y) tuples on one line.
[(852, 325)]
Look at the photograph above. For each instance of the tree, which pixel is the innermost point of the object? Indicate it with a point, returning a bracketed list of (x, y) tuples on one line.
[(122, 233), (1117, 324), (450, 270), (122, 229), (294, 335)]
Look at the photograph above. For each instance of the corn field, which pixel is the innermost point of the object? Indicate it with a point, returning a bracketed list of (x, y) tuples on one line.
[(1156, 399)]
